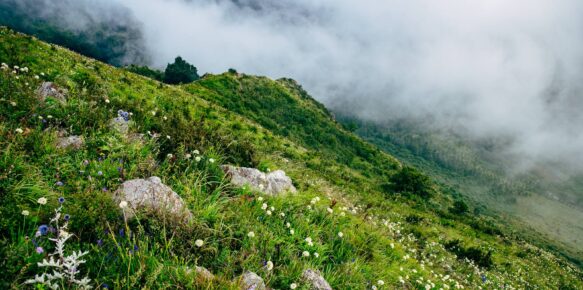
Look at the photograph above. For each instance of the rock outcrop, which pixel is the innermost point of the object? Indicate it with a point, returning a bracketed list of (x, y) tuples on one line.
[(251, 281), (315, 280), (152, 195), (71, 142), (49, 89), (272, 183)]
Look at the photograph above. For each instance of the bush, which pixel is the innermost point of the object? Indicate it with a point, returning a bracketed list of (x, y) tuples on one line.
[(180, 72), (459, 207), (480, 257), (410, 181), (146, 71)]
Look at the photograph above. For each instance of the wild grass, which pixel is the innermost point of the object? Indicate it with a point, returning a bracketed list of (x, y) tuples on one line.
[(340, 223)]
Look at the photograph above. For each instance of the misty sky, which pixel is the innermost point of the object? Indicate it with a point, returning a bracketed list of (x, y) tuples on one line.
[(493, 67)]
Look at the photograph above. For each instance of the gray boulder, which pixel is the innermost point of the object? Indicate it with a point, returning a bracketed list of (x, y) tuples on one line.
[(272, 183), (152, 195), (315, 280), (71, 142), (49, 89), (251, 281)]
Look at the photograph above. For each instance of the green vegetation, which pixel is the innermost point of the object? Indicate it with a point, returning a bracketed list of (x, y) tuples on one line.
[(180, 72), (541, 199), (360, 234)]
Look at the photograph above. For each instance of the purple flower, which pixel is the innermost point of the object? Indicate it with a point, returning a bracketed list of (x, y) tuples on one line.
[(61, 199), (100, 242), (43, 229), (121, 233), (104, 188), (119, 169), (85, 162), (99, 172), (39, 250), (59, 183)]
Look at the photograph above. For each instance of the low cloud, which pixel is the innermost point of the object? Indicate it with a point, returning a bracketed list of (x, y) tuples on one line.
[(486, 68)]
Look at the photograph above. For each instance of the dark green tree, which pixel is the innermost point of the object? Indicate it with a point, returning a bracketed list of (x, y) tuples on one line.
[(410, 181), (459, 207), (180, 72)]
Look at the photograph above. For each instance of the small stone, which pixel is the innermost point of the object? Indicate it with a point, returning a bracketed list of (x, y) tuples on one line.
[(315, 280), (71, 142), (251, 281), (204, 273), (50, 90), (120, 124)]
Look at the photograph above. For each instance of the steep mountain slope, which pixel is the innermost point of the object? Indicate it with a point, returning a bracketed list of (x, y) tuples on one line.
[(541, 199), (362, 232)]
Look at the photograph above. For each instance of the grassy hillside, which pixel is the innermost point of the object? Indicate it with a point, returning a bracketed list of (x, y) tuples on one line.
[(366, 230), (543, 200)]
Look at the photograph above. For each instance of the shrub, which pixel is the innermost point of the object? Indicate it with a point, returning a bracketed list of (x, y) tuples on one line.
[(180, 72), (146, 71), (479, 256), (459, 207), (410, 181)]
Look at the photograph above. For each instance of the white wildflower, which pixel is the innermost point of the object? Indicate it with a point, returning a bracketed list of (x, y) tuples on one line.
[(330, 210), (25, 212), (196, 152), (264, 206), (340, 234), (211, 160), (268, 212), (381, 282), (42, 200), (251, 234), (197, 159), (123, 204), (305, 253), (18, 130), (199, 243), (293, 286), (269, 266)]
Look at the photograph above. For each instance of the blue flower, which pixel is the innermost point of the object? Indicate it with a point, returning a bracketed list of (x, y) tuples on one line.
[(67, 217), (121, 233), (61, 199), (104, 286), (43, 229), (100, 242)]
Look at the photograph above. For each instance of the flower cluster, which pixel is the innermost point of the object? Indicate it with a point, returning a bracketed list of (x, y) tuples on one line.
[(124, 115), (65, 268)]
